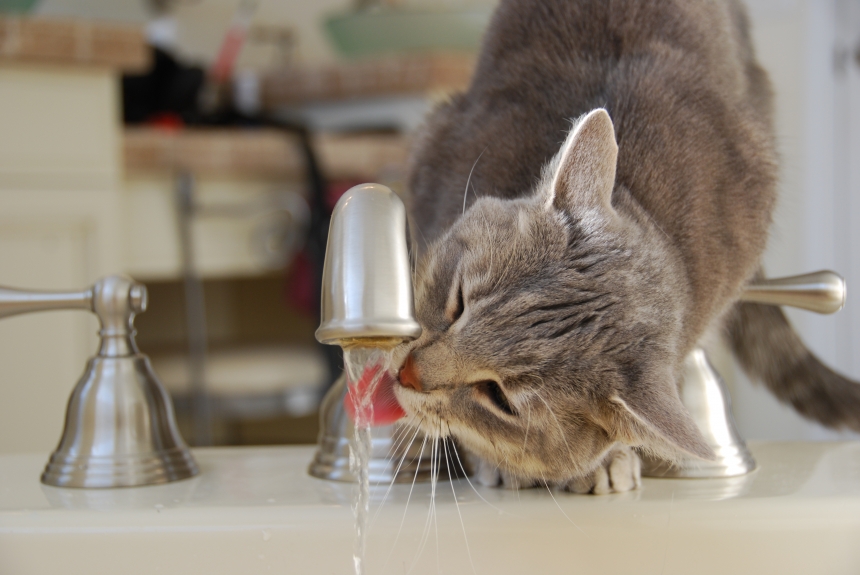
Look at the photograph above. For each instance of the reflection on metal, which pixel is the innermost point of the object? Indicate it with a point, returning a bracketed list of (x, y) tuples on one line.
[(367, 300), (120, 429), (367, 281), (821, 292), (707, 399)]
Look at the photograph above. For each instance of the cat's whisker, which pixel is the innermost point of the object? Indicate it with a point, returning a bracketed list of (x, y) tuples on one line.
[(469, 481), (557, 423), (399, 438), (572, 522), (425, 535), (435, 481), (457, 504), (394, 477), (406, 506), (528, 425), (469, 179)]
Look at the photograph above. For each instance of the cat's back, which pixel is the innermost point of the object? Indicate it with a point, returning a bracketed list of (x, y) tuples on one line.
[(668, 71)]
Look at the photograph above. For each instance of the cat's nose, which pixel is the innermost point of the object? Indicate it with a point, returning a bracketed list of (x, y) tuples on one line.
[(408, 377)]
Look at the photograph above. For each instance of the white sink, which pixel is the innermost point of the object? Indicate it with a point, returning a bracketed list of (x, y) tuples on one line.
[(255, 510)]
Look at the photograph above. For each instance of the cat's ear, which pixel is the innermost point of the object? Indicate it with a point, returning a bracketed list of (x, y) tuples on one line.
[(656, 419), (584, 170)]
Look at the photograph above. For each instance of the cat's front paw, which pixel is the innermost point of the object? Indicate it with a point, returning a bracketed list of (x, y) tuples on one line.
[(621, 471), (489, 475)]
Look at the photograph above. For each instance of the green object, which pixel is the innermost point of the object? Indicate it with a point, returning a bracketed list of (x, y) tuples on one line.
[(380, 31), (17, 6)]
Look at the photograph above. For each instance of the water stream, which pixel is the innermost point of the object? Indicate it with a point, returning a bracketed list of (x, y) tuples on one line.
[(365, 367)]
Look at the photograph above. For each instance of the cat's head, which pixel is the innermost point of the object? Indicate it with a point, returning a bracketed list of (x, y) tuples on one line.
[(551, 324)]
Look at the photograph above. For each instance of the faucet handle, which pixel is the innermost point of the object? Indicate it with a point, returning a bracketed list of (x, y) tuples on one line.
[(822, 292), (15, 301), (114, 299)]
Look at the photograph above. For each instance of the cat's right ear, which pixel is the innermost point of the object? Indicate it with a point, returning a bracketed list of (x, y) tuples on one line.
[(653, 417), (584, 169)]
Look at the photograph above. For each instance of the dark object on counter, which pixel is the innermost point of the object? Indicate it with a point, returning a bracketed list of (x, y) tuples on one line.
[(169, 88)]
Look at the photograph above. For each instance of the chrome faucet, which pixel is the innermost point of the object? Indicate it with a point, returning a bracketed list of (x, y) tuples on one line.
[(367, 300), (120, 429)]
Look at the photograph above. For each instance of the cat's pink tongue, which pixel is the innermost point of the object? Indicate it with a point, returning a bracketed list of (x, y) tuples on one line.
[(386, 409)]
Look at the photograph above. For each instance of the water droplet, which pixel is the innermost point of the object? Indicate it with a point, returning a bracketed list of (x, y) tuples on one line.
[(266, 535), (159, 507), (270, 500)]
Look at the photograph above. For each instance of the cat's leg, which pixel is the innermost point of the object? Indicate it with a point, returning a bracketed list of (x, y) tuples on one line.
[(621, 471)]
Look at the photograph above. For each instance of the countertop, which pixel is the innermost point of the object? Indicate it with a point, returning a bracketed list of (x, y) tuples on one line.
[(255, 510)]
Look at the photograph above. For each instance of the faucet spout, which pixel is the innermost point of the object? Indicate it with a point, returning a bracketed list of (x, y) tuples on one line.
[(367, 280)]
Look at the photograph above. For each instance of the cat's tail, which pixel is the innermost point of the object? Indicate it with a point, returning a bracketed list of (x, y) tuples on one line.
[(769, 350)]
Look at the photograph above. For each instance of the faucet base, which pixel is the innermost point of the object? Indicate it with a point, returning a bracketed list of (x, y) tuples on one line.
[(120, 430), (398, 453)]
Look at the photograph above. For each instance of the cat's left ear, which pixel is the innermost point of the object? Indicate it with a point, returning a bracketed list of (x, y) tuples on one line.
[(584, 170)]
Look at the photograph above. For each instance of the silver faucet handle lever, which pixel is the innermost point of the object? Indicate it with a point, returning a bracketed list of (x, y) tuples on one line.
[(15, 301), (114, 299), (822, 292)]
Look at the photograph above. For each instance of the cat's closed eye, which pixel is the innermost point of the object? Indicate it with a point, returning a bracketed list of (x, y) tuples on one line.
[(492, 391)]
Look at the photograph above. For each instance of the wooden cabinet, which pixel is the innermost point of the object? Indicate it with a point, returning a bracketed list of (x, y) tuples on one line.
[(59, 196)]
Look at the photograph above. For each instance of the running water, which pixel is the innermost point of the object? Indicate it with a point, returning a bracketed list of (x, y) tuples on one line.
[(366, 367)]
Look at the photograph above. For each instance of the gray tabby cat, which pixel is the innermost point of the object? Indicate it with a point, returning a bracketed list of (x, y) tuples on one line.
[(560, 295)]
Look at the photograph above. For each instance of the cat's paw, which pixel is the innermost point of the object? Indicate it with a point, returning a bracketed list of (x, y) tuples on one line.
[(489, 475), (621, 471)]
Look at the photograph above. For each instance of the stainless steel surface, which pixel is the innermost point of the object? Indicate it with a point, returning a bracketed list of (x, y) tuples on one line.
[(14, 302), (120, 429), (396, 451), (707, 399), (367, 281), (367, 297), (821, 292)]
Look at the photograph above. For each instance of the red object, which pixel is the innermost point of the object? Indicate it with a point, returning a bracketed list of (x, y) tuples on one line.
[(169, 121), (386, 409)]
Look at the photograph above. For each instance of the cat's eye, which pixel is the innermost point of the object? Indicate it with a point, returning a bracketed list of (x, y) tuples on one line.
[(456, 305), (493, 391)]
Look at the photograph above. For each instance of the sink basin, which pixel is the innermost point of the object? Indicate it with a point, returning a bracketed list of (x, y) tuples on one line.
[(255, 510)]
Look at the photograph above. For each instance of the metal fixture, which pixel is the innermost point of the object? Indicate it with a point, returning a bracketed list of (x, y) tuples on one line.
[(393, 456), (120, 429), (822, 292), (367, 281), (367, 300), (706, 397)]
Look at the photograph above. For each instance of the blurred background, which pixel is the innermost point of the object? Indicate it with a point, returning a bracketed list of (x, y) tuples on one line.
[(199, 146)]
